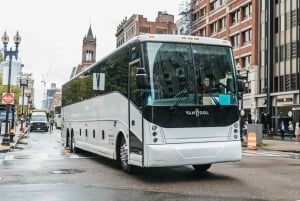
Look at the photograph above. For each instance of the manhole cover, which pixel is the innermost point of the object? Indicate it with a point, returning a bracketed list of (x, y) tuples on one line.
[(67, 171)]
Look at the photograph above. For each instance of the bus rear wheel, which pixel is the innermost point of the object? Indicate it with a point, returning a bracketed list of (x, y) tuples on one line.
[(72, 146), (201, 168), (123, 157)]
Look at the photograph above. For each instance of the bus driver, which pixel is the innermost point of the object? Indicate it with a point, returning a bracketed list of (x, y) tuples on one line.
[(204, 87)]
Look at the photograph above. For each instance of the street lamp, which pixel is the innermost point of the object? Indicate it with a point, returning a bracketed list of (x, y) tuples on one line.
[(9, 53), (23, 84)]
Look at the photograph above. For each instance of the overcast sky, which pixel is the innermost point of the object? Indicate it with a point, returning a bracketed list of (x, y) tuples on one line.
[(52, 31)]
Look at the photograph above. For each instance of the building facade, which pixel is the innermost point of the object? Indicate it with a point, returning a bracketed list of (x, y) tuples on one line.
[(282, 75), (137, 24), (236, 21), (56, 99), (50, 96)]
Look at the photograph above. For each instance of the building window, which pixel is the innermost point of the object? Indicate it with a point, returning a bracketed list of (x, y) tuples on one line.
[(247, 11), (203, 32), (145, 29), (213, 28), (213, 5), (287, 83), (246, 60), (161, 31), (288, 51), (222, 23), (235, 40), (294, 81), (202, 11), (294, 18), (282, 53), (235, 17), (195, 16), (281, 83), (294, 50), (247, 36)]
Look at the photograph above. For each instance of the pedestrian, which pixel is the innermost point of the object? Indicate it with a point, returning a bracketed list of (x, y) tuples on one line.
[(291, 130), (297, 133), (245, 128), (51, 124), (281, 128)]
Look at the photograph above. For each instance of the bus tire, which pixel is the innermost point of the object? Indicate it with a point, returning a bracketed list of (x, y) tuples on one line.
[(201, 168), (67, 139), (123, 156), (73, 148)]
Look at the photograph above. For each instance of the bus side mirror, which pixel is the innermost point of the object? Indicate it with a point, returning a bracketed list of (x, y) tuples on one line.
[(141, 78), (241, 85)]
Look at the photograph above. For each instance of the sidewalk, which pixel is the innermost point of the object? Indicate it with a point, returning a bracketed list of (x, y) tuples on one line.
[(17, 137), (280, 145)]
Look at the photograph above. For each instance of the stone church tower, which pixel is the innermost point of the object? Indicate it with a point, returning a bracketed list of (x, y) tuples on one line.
[(88, 51)]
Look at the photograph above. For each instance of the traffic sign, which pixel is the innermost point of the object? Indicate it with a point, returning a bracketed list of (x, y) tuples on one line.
[(8, 98)]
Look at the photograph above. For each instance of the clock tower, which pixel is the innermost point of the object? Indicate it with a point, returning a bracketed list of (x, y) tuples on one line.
[(88, 51)]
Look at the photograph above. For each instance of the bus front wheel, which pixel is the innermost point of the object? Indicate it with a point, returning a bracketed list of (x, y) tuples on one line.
[(123, 157), (201, 168)]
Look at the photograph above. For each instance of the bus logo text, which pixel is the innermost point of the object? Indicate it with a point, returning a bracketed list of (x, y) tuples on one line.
[(197, 112)]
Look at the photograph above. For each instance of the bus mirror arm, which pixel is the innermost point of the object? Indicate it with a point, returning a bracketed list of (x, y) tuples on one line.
[(141, 79)]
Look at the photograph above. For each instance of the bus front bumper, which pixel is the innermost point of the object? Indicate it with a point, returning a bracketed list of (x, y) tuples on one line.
[(192, 153)]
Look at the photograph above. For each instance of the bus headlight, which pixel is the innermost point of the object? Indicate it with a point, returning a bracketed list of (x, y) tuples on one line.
[(156, 134)]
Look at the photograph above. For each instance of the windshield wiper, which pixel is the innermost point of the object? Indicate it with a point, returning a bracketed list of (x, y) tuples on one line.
[(215, 100), (180, 95)]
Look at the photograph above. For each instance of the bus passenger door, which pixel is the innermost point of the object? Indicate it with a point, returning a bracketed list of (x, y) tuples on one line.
[(136, 136)]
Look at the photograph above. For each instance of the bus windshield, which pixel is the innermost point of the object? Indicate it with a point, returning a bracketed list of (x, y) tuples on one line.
[(190, 74)]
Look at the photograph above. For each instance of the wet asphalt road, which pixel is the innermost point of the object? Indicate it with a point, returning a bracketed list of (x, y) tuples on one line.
[(40, 169)]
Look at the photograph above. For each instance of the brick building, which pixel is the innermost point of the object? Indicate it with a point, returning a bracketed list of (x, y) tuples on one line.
[(236, 21), (88, 51), (137, 24)]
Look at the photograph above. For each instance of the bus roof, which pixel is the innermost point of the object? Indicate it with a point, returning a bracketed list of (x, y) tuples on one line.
[(164, 38), (180, 39)]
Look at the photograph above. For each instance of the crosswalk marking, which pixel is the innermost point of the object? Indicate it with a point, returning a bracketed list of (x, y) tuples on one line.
[(270, 153)]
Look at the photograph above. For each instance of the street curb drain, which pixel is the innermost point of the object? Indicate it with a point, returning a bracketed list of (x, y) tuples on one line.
[(67, 171)]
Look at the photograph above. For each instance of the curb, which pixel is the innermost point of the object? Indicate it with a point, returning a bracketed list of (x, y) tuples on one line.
[(13, 144)]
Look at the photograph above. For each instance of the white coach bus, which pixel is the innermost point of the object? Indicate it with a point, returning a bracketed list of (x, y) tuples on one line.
[(140, 105)]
